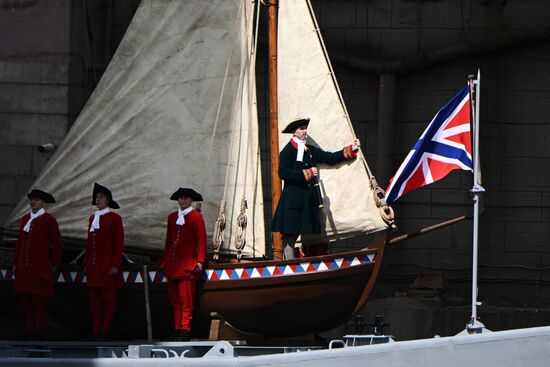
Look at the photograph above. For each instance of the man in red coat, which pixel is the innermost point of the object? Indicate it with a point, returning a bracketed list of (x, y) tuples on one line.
[(184, 258), (37, 254), (103, 258)]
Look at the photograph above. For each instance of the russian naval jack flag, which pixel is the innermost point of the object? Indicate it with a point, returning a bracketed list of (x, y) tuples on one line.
[(444, 146)]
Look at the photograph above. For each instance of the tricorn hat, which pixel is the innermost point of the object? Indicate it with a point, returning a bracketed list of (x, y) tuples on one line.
[(291, 127), (105, 191), (43, 195), (186, 192)]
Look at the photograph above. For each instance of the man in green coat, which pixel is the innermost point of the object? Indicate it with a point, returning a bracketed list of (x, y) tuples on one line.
[(298, 208)]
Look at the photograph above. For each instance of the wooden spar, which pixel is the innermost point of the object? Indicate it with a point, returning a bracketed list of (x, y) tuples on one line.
[(272, 8), (446, 223), (147, 304)]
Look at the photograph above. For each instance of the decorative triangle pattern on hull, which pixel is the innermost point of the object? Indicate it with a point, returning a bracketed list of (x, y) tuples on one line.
[(212, 275)]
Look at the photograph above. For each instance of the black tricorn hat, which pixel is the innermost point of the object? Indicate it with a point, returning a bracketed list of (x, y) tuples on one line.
[(186, 192), (35, 193), (293, 125), (105, 191)]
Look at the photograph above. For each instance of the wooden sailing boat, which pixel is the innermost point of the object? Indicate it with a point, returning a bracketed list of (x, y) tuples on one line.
[(177, 106)]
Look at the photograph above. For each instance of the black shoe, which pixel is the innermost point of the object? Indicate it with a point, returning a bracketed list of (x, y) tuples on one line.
[(34, 335), (182, 336), (90, 337), (104, 337), (174, 334)]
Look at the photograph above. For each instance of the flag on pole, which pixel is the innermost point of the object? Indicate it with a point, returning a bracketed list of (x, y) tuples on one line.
[(445, 145)]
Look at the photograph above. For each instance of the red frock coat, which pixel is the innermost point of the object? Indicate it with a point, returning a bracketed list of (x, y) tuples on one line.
[(35, 251), (103, 251), (185, 246)]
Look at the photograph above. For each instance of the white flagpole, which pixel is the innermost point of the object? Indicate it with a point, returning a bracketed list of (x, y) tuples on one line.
[(474, 326)]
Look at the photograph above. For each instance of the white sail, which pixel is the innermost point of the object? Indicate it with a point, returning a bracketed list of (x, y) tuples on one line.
[(308, 88), (243, 173), (148, 126)]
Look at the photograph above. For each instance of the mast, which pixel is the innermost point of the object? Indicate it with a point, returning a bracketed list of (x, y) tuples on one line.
[(272, 7), (474, 326)]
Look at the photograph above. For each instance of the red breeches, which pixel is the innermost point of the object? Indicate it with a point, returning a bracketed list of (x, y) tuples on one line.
[(103, 304), (35, 310), (181, 294)]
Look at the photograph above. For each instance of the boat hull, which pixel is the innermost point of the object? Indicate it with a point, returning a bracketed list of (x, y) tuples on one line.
[(283, 307), (295, 297)]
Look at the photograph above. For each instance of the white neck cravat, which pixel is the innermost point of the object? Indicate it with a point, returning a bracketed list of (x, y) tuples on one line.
[(301, 145), (182, 214), (97, 214), (27, 227)]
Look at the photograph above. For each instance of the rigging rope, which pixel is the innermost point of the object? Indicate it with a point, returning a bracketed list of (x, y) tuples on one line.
[(220, 226), (242, 220), (386, 211), (247, 57), (219, 231), (221, 98), (379, 194)]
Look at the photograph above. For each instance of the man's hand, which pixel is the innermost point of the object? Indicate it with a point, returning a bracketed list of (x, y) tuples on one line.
[(356, 145), (314, 170), (113, 270), (198, 268), (13, 268)]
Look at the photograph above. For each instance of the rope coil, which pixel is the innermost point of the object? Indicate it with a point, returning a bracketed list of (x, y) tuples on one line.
[(386, 211)]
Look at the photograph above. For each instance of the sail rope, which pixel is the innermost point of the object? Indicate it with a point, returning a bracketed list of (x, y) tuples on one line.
[(219, 231), (242, 219), (220, 226), (221, 99), (238, 103), (386, 212)]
